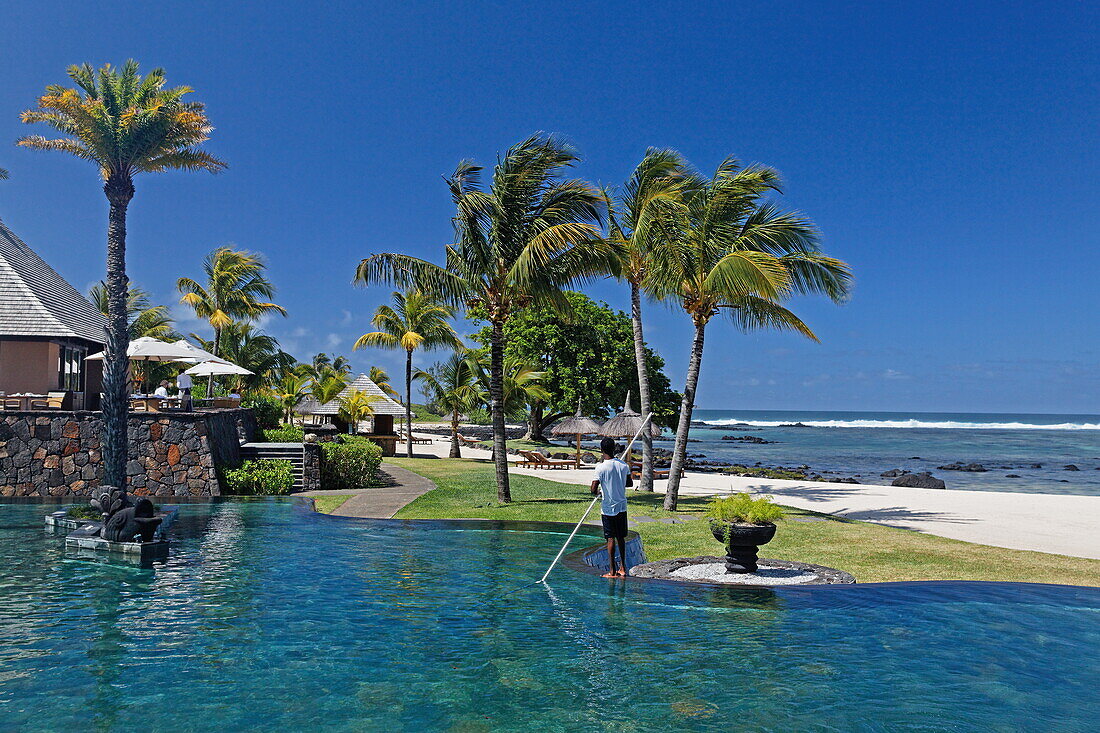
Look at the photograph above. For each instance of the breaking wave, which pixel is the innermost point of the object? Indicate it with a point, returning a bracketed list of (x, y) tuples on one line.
[(947, 425)]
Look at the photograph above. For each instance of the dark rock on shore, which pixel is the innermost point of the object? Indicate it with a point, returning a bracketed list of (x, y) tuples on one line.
[(894, 473), (795, 425), (1012, 475), (748, 439), (968, 467), (1071, 467), (923, 480)]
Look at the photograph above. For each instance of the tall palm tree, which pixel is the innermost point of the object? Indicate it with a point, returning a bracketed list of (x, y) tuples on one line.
[(416, 320), (145, 319), (736, 252), (125, 124), (453, 386), (235, 290), (381, 380), (521, 384), (639, 221), (523, 240)]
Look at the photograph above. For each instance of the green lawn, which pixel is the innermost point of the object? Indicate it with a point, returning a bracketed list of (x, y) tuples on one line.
[(518, 444), (330, 503), (871, 552)]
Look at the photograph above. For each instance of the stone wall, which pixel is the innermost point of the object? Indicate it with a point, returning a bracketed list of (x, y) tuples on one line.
[(311, 467), (171, 454)]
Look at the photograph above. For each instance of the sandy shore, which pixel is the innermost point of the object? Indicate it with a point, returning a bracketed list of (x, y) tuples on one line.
[(1059, 523)]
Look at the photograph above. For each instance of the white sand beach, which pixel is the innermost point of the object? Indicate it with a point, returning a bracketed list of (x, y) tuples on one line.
[(1058, 523)]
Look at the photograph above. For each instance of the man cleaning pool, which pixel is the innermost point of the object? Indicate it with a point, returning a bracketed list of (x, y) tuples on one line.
[(612, 477)]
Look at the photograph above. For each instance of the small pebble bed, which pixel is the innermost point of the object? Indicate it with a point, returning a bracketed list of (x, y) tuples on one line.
[(716, 573)]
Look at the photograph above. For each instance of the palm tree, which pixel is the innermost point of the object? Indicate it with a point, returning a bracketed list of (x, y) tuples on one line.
[(532, 234), (355, 407), (327, 388), (737, 253), (125, 124), (289, 391), (638, 221), (234, 289), (381, 380), (145, 319), (415, 321), (254, 350), (454, 389), (521, 384)]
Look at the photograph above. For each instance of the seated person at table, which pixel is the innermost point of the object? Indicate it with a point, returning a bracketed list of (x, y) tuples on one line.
[(162, 390)]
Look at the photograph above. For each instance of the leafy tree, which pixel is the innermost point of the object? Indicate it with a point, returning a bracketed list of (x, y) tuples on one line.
[(737, 253), (453, 386), (355, 407), (290, 391), (587, 355), (254, 350), (638, 220), (124, 124), (414, 321), (521, 241)]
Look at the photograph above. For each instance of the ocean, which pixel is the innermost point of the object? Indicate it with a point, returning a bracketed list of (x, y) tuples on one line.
[(1034, 449)]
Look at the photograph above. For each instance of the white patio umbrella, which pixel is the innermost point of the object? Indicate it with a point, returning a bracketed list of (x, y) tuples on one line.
[(147, 348), (200, 355), (215, 368)]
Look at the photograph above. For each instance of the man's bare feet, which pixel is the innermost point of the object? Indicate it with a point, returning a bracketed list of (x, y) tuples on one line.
[(620, 573), (611, 574)]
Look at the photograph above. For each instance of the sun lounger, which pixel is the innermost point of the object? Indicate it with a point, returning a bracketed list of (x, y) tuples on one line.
[(658, 473), (402, 437), (469, 442), (538, 460)]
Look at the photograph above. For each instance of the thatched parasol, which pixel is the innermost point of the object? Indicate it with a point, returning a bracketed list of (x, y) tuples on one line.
[(627, 423), (577, 425)]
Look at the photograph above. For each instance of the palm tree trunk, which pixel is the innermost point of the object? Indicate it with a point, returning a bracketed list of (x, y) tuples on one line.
[(679, 451), (408, 403), (456, 448), (534, 423), (496, 400), (217, 352), (116, 403), (646, 483)]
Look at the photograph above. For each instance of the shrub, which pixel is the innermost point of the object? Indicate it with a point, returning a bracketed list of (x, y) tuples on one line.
[(350, 463), (260, 478), (285, 434), (743, 509), (84, 511), (267, 410)]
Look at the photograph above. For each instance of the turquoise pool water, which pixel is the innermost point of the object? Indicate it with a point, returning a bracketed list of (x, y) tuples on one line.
[(272, 618)]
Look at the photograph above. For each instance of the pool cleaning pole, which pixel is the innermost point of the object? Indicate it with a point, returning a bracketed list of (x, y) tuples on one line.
[(645, 424)]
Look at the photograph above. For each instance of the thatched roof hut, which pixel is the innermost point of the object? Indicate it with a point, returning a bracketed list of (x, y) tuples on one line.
[(382, 403)]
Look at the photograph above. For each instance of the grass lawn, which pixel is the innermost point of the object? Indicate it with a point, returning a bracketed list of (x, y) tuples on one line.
[(330, 503), (871, 552)]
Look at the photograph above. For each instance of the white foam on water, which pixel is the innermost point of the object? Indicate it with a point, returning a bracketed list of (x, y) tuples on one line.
[(948, 425)]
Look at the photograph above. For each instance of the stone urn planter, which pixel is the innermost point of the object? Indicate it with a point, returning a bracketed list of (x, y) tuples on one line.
[(742, 541)]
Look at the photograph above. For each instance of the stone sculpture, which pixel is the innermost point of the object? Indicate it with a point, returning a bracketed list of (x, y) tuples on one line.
[(123, 519)]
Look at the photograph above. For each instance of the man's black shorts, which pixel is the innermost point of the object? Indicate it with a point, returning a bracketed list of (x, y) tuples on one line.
[(614, 526)]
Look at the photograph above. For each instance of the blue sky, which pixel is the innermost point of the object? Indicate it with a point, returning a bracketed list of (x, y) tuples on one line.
[(949, 152)]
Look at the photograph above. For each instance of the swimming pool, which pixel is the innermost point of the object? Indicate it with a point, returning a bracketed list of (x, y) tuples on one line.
[(271, 617)]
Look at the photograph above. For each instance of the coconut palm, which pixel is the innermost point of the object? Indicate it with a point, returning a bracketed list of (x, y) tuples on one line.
[(414, 321), (125, 124), (381, 379), (234, 291), (453, 386), (327, 388), (638, 220), (145, 319), (521, 384), (254, 350), (736, 253), (523, 240), (290, 391), (355, 407)]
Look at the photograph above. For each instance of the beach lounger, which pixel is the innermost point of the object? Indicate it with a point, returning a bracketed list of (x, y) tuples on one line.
[(402, 437), (469, 442), (658, 473), (538, 460)]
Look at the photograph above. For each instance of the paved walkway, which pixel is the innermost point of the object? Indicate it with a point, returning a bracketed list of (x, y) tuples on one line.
[(1058, 523), (380, 502)]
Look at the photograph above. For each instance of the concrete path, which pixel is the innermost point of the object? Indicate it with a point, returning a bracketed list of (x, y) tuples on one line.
[(1058, 523), (380, 502)]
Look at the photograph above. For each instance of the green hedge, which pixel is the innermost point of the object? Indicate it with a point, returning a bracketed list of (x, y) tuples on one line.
[(285, 434), (268, 411), (350, 463), (260, 478)]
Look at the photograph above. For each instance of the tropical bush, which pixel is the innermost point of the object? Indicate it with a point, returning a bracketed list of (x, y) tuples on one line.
[(264, 477), (350, 463), (480, 416), (268, 410), (84, 511), (285, 434), (743, 509)]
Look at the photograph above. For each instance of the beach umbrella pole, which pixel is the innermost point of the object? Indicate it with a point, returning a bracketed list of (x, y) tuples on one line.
[(645, 426)]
